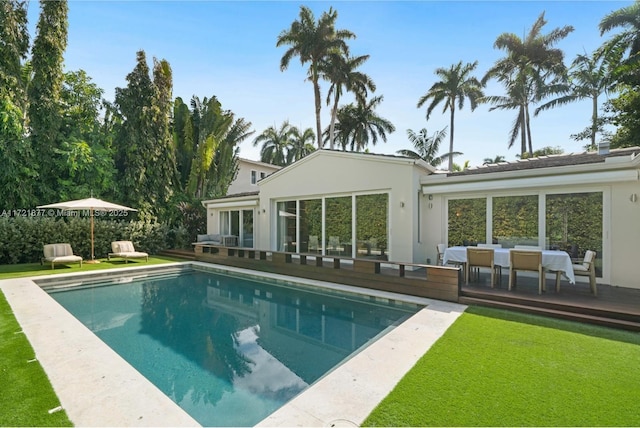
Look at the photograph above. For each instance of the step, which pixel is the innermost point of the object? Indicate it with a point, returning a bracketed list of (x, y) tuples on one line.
[(554, 313)]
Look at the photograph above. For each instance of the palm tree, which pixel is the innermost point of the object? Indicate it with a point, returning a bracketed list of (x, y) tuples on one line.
[(627, 18), (312, 41), (530, 66), (275, 143), (455, 86), (426, 147), (340, 70), (497, 159), (358, 125), (589, 77), (300, 144)]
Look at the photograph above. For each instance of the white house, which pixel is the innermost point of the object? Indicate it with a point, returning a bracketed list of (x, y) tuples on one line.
[(248, 175), (399, 209)]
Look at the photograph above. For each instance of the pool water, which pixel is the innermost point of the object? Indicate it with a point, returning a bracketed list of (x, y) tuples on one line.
[(229, 350)]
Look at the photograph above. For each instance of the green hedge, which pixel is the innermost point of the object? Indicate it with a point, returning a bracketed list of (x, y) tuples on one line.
[(22, 238)]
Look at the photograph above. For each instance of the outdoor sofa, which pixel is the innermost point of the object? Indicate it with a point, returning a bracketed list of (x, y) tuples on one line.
[(59, 253), (125, 250)]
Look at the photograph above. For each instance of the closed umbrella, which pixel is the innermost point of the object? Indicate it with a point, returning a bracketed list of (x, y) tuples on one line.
[(91, 204)]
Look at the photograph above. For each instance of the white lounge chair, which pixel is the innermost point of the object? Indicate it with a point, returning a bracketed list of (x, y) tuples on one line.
[(125, 250), (59, 253)]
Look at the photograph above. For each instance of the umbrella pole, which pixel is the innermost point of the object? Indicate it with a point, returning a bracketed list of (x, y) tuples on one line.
[(93, 257)]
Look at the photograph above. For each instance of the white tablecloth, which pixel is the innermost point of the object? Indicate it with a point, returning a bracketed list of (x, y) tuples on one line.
[(551, 259)]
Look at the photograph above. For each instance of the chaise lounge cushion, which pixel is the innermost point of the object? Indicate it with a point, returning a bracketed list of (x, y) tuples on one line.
[(60, 253), (126, 250)]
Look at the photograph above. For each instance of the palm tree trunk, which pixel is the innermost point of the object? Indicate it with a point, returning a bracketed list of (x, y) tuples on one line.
[(523, 132), (594, 121), (453, 112), (316, 92), (528, 120), (332, 127)]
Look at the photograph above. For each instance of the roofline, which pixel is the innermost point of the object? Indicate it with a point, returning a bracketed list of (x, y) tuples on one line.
[(232, 199), (342, 154), (260, 163)]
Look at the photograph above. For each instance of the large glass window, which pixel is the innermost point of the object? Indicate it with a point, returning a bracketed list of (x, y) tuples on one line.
[(311, 226), (467, 221), (515, 220), (247, 229), (338, 223), (224, 223), (286, 229), (371, 225), (574, 224)]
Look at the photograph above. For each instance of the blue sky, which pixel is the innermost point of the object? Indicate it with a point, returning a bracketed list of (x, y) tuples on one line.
[(228, 49)]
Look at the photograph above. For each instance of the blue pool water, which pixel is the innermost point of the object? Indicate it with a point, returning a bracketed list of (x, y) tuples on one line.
[(229, 350)]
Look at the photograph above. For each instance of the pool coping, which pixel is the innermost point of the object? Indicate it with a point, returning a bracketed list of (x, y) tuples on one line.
[(97, 387)]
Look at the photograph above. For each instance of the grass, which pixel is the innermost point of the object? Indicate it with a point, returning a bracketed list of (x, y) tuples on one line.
[(34, 269), (27, 395), (500, 368)]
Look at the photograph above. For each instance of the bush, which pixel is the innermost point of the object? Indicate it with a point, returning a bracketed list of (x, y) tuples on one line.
[(22, 238)]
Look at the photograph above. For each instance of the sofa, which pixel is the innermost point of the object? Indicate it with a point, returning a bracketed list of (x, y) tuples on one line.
[(211, 239)]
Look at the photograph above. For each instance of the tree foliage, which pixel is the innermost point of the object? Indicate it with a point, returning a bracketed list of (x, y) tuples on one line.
[(426, 147)]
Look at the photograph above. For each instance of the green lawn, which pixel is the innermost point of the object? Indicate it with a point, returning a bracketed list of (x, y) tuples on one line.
[(27, 395), (33, 269), (499, 368)]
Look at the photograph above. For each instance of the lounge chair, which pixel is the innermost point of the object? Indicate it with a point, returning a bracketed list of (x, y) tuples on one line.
[(125, 250), (59, 253)]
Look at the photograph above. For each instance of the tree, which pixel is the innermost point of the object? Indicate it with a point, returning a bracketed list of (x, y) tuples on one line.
[(545, 151), (628, 40), (455, 86), (358, 125), (529, 67), (144, 151), (426, 148), (14, 47), (300, 144), (275, 143), (44, 90), (497, 159), (312, 41), (218, 134), (183, 140), (589, 77), (340, 70)]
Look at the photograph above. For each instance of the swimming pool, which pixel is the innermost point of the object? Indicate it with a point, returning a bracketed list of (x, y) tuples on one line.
[(229, 350)]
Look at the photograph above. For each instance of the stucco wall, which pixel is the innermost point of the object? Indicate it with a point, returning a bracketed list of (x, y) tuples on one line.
[(242, 182), (625, 235)]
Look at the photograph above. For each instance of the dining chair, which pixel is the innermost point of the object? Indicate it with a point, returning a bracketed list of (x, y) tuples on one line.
[(477, 258), (440, 249), (587, 268), (526, 260)]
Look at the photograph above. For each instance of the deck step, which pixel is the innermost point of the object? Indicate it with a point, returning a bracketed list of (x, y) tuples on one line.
[(555, 313)]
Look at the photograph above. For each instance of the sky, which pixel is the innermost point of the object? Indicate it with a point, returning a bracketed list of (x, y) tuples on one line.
[(228, 49)]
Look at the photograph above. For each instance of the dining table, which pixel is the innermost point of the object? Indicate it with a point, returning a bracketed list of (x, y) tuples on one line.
[(552, 260)]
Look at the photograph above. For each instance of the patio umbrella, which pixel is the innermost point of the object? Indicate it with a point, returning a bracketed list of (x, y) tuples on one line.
[(91, 204)]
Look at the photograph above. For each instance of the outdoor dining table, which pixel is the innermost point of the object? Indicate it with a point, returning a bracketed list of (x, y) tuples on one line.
[(552, 260)]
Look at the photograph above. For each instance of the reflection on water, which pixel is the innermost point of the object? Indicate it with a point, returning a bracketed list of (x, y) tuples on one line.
[(228, 350)]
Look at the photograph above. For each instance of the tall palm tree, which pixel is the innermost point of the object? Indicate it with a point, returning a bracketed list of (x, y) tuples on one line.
[(275, 143), (426, 147), (455, 86), (312, 41), (529, 67), (340, 70), (358, 125), (300, 144), (627, 18), (589, 77)]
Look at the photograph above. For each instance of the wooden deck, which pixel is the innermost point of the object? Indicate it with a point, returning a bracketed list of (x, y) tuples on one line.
[(613, 306)]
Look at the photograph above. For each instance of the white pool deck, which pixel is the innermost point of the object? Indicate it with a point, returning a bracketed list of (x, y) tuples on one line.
[(96, 387)]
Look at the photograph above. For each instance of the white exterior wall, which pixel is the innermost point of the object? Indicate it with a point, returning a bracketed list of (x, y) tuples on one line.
[(242, 182), (328, 174), (625, 235)]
